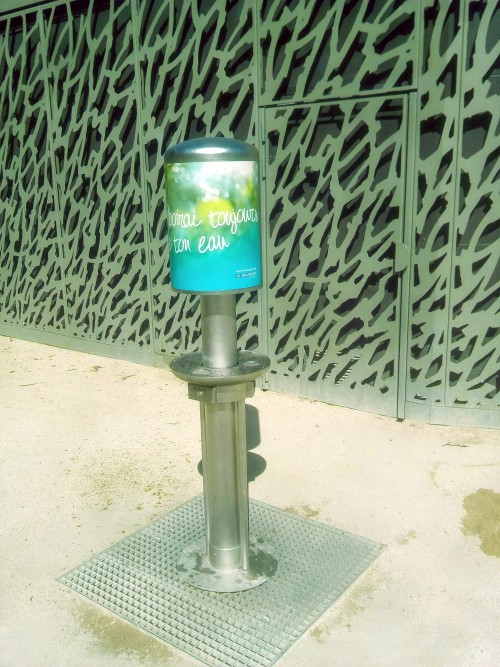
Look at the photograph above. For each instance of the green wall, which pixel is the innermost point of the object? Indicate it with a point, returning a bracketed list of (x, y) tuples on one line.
[(377, 123)]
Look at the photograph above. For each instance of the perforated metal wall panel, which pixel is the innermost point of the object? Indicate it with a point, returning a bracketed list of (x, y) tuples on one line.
[(92, 94), (315, 50), (455, 281), (31, 290)]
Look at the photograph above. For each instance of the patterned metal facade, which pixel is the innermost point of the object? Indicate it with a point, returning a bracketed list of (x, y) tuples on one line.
[(377, 122)]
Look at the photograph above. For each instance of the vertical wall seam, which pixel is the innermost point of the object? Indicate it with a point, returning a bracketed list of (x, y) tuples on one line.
[(463, 27), (408, 235), (3, 46), (139, 98), (262, 146), (43, 27), (409, 221)]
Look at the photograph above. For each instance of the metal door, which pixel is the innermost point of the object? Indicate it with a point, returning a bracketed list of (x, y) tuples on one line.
[(335, 197)]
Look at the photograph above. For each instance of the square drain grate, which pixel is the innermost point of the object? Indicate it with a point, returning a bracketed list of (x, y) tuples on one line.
[(137, 580)]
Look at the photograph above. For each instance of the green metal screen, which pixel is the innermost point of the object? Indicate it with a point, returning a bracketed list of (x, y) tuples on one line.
[(377, 122)]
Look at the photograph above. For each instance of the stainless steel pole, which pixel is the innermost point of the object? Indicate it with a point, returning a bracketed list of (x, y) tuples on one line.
[(223, 436), (218, 330)]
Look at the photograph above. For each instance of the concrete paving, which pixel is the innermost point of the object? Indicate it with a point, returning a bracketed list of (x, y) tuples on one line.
[(91, 449)]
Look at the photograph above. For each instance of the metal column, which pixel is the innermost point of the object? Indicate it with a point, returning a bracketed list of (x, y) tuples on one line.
[(215, 251), (227, 561)]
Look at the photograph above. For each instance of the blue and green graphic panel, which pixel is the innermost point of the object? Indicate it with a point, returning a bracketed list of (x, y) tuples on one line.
[(214, 226)]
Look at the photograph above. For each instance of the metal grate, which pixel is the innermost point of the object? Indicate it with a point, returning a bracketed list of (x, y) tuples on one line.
[(137, 580)]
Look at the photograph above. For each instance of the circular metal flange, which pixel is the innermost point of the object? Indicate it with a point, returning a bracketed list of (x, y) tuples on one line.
[(190, 368), (195, 569)]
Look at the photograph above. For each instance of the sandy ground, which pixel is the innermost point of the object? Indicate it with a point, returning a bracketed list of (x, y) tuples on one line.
[(93, 449)]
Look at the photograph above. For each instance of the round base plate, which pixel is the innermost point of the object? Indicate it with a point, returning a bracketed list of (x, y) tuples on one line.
[(190, 368), (194, 567)]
